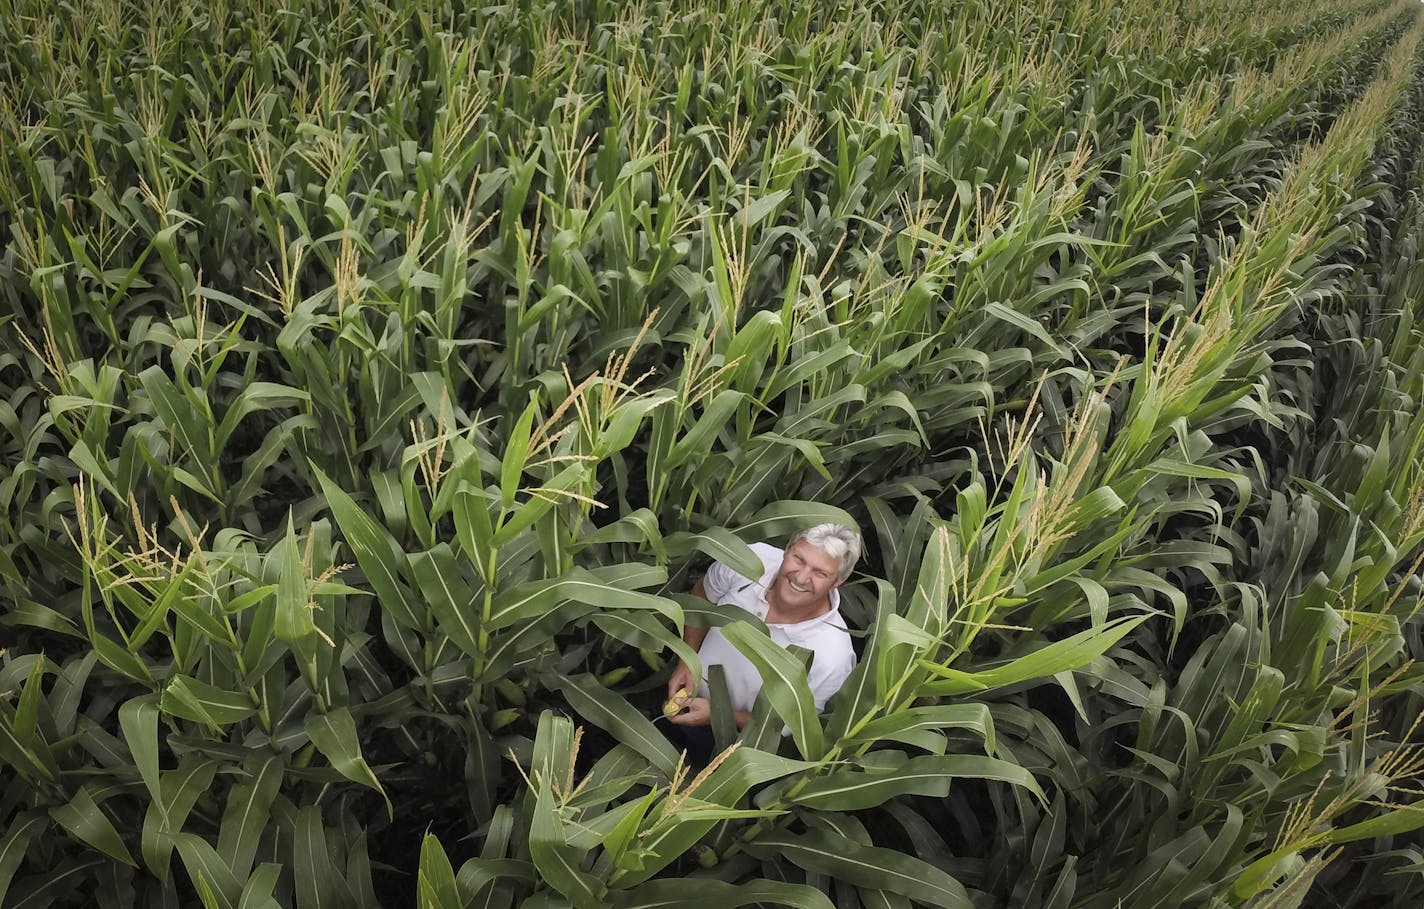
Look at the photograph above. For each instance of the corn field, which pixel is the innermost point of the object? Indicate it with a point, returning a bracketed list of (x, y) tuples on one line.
[(378, 377)]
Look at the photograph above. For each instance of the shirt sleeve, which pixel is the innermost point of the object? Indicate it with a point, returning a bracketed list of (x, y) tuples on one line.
[(718, 582)]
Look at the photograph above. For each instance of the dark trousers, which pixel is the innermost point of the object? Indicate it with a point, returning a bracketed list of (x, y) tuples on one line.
[(697, 741)]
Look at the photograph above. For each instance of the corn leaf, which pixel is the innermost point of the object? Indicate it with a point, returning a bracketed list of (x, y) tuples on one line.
[(866, 866), (82, 817), (435, 885), (784, 683), (1072, 652), (334, 735)]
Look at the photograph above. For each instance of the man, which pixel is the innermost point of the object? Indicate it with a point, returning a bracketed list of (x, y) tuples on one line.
[(796, 597)]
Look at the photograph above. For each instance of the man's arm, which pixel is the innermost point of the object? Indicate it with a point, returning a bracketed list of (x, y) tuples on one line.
[(699, 710)]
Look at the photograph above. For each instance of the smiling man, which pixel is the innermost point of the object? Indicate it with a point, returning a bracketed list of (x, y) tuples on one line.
[(796, 597)]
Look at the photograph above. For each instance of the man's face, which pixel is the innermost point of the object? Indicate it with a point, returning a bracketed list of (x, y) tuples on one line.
[(807, 576)]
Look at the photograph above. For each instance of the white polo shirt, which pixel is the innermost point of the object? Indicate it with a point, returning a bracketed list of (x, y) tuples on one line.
[(825, 635)]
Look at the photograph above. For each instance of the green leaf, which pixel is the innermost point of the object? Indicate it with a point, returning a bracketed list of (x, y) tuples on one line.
[(722, 545), (318, 886), (639, 526), (29, 755), (58, 886), (157, 611), (506, 649), (1060, 656), (383, 563), (254, 397), (358, 874), (197, 610), (557, 861), (257, 892), (8, 569), (627, 419), (179, 790), (1393, 822), (1019, 320), (83, 819), (613, 714), (864, 866), (481, 879), (516, 452), (783, 518), (34, 615), (437, 574), (293, 622), (1298, 884), (762, 207), (537, 505), (247, 813), (620, 835), (120, 659), (436, 882), (744, 768), (69, 690), (206, 868), (473, 528), (673, 832), (792, 425), (974, 717), (1094, 506), (930, 597), (871, 898), (697, 441), (179, 416), (537, 598), (644, 631), (1224, 852), (27, 709), (20, 832), (854, 790), (334, 735), (1256, 709), (707, 893), (896, 643), (784, 683), (203, 703)]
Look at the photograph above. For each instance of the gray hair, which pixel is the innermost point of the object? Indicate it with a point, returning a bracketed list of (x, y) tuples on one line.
[(837, 541)]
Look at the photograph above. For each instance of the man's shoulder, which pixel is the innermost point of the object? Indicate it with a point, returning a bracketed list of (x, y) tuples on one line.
[(771, 556), (722, 579)]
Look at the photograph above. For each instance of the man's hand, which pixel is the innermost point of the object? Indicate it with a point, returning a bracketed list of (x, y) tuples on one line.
[(680, 680), (698, 713)]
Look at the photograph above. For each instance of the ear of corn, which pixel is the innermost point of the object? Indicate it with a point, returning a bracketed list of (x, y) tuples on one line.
[(675, 704)]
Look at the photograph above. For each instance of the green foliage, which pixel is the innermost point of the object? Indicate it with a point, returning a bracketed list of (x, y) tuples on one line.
[(377, 377)]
